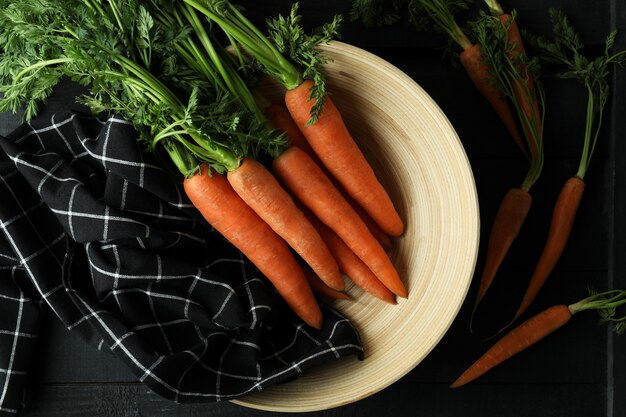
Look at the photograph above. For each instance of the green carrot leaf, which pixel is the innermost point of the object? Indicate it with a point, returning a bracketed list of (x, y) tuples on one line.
[(290, 39)]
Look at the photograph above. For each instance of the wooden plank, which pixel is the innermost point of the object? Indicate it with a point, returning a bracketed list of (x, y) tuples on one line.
[(485, 400)]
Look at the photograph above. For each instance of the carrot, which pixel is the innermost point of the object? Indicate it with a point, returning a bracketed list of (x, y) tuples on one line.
[(321, 288), (306, 99), (279, 117), (249, 179), (332, 142), (218, 203), (506, 226), (541, 325), (308, 184), (481, 75), (350, 264), (520, 338), (262, 192), (561, 225)]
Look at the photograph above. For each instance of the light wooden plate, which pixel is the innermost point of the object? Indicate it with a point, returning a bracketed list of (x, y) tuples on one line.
[(421, 162)]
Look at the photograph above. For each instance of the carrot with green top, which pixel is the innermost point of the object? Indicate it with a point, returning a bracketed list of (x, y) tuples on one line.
[(250, 179), (526, 90), (303, 177), (510, 74), (541, 325), (441, 15), (565, 50)]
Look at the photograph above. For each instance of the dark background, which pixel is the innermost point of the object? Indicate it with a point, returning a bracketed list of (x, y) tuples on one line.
[(578, 371)]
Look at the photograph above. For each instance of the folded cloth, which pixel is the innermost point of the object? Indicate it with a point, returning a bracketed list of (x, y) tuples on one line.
[(101, 233)]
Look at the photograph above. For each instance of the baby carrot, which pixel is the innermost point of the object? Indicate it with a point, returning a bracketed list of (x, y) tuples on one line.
[(218, 203)]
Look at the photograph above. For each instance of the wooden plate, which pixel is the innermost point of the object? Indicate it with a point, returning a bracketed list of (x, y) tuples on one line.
[(420, 160)]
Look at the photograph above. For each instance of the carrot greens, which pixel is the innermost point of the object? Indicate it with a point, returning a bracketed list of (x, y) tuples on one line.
[(126, 60), (565, 51)]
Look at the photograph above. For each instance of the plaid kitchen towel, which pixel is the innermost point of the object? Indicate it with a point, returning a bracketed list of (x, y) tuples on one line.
[(101, 234)]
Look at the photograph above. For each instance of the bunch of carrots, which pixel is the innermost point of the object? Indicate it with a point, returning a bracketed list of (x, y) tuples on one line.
[(162, 65)]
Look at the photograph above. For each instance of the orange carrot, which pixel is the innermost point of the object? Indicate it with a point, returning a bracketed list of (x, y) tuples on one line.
[(506, 226), (279, 117), (306, 180), (350, 264), (541, 325), (561, 225), (334, 145), (373, 227), (481, 75), (260, 190), (213, 196), (525, 89), (321, 288), (520, 338)]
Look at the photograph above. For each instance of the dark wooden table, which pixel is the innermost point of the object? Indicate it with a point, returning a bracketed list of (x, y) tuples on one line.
[(580, 371)]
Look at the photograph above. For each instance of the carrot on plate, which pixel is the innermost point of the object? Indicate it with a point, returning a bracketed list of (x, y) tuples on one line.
[(350, 264), (318, 286), (218, 203), (262, 192), (332, 142), (279, 117), (307, 182)]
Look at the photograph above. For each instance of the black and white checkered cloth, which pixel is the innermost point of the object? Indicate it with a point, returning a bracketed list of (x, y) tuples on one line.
[(97, 231)]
